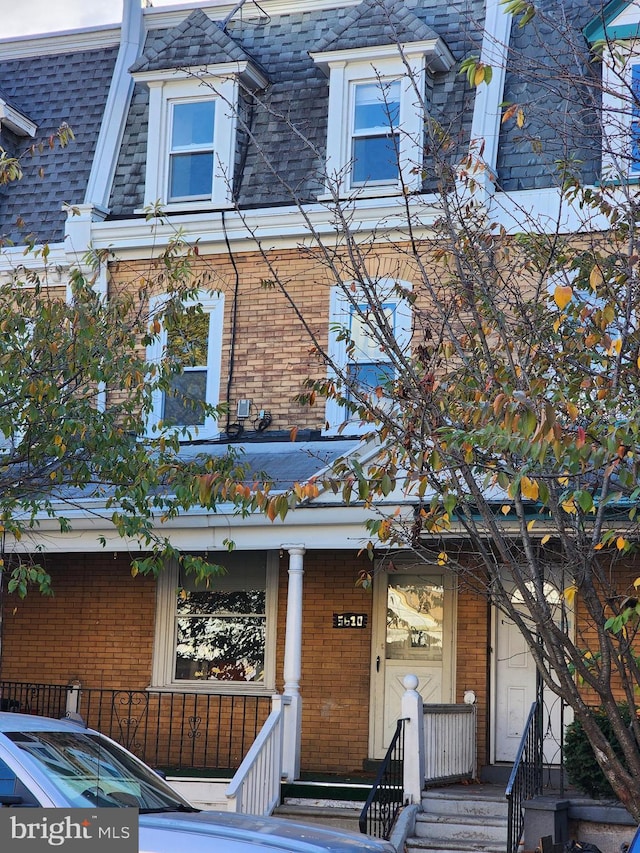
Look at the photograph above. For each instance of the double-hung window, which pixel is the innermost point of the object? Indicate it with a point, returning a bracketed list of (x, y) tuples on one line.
[(191, 149), (369, 367), (375, 123), (359, 348), (220, 633), (192, 343), (375, 147)]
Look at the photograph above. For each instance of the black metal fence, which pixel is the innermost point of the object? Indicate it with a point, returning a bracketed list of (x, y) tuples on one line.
[(387, 794), (526, 777), (174, 731)]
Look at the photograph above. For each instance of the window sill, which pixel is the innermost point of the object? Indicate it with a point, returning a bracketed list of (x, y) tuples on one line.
[(229, 688), (208, 206), (367, 192)]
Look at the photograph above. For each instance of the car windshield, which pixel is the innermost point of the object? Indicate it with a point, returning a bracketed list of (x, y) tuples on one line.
[(90, 771)]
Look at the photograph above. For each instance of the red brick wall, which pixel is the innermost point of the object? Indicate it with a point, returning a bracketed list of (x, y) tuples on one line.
[(98, 627), (335, 662), (473, 658)]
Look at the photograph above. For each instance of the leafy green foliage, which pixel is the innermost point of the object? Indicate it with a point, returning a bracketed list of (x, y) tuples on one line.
[(583, 770), (75, 396)]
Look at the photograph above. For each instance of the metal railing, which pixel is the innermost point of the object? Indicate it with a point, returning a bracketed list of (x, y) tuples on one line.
[(387, 794), (525, 781), (43, 700), (449, 743), (255, 787), (172, 730)]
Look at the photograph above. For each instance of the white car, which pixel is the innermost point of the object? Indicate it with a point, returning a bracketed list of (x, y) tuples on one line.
[(47, 763)]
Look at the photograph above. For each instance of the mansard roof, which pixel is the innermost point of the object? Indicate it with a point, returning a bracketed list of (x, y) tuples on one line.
[(376, 22), (52, 88), (197, 41), (297, 95)]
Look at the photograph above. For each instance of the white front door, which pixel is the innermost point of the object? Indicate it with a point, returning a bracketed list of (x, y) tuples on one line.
[(412, 634), (515, 692)]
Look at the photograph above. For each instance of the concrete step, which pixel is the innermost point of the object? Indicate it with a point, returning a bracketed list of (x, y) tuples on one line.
[(461, 820), (340, 814), (462, 828), (477, 803), (444, 845)]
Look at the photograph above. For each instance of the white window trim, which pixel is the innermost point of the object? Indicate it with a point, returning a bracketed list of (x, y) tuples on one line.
[(617, 113), (165, 638), (407, 63), (162, 93), (212, 304), (337, 417)]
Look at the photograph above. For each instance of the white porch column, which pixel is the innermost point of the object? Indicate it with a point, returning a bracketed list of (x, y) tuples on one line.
[(293, 665)]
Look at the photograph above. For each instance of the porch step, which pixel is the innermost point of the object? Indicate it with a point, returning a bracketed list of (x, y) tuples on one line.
[(460, 820), (340, 814)]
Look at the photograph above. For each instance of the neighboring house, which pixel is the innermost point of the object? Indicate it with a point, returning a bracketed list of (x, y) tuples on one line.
[(163, 110)]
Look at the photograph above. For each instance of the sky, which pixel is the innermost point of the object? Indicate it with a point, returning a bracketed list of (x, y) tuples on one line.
[(25, 17)]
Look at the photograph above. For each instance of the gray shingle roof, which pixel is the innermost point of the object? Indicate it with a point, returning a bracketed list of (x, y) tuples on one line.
[(551, 76), (72, 88), (276, 161), (196, 41), (375, 22)]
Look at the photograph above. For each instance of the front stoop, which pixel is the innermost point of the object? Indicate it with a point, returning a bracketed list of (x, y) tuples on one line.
[(455, 821), (339, 814), (336, 803)]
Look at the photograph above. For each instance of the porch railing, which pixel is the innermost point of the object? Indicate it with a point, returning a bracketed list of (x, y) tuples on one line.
[(449, 743), (387, 794), (525, 781), (255, 787), (173, 730)]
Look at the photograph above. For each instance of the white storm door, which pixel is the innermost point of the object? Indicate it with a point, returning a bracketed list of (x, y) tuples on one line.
[(413, 634), (516, 692)]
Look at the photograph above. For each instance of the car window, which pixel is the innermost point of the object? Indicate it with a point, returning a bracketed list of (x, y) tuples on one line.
[(13, 792), (90, 771)]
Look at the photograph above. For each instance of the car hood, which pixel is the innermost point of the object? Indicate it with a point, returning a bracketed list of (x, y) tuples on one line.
[(226, 832)]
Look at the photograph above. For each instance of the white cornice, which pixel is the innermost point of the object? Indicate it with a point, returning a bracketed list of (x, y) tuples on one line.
[(245, 70), (280, 227), (171, 16), (438, 55), (69, 41)]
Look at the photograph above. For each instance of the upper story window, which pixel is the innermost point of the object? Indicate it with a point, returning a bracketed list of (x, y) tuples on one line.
[(195, 342), (191, 142), (191, 149), (375, 129), (375, 133), (364, 364)]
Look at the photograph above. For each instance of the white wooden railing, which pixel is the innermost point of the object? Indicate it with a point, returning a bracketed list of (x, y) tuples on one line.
[(440, 741), (449, 742), (255, 787)]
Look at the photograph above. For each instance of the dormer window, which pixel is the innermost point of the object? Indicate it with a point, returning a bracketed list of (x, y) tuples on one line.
[(191, 149), (193, 114), (375, 133)]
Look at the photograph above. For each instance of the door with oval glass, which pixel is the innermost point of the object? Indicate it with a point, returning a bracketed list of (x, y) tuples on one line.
[(515, 691), (412, 634)]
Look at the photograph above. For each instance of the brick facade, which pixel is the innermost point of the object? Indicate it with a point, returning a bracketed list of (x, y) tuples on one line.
[(98, 629)]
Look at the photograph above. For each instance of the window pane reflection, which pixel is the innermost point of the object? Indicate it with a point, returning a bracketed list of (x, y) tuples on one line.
[(415, 609), (221, 626)]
